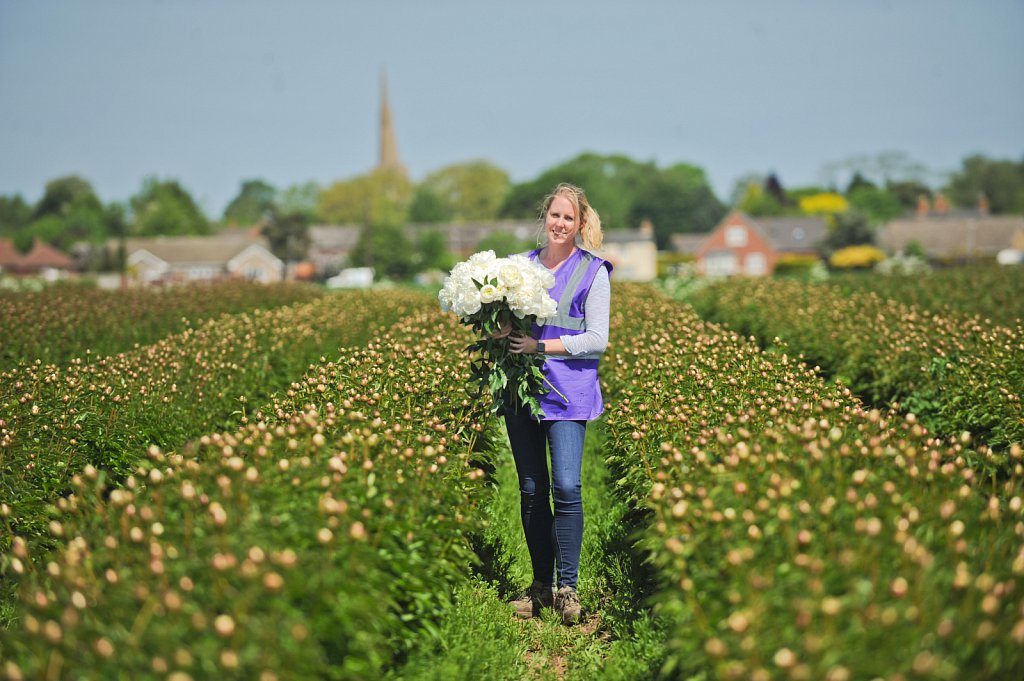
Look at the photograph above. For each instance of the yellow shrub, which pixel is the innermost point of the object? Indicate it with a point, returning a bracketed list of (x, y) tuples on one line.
[(853, 257), (826, 203)]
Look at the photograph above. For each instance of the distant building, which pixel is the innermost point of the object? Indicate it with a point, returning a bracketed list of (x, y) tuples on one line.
[(953, 235), (42, 260), (740, 244), (632, 252), (232, 254)]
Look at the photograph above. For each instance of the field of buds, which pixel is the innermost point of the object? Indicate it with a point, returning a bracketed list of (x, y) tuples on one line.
[(106, 411), (307, 543), (310, 492), (996, 294), (61, 323), (799, 535), (956, 372)]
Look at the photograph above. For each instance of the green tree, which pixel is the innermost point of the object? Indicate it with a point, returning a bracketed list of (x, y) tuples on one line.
[(858, 182), (381, 197), (301, 198), (427, 207), (432, 251), (255, 201), (63, 193), (68, 212), (624, 192), (386, 249), (15, 213), (676, 200), (1001, 181), (468, 191), (850, 228), (288, 234), (165, 207), (755, 201), (609, 181), (907, 192), (877, 204)]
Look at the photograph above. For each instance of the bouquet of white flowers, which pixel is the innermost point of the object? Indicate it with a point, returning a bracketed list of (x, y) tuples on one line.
[(488, 293)]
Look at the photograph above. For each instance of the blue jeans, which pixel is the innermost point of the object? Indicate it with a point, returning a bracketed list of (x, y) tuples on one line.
[(553, 539)]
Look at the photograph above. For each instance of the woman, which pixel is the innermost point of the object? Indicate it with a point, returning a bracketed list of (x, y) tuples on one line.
[(572, 343)]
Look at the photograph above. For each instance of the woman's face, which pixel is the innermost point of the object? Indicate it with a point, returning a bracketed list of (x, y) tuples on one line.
[(561, 222)]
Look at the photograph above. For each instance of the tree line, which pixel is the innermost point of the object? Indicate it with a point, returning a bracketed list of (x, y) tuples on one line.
[(675, 199)]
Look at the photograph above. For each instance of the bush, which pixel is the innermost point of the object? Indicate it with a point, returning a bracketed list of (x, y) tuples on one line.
[(856, 257)]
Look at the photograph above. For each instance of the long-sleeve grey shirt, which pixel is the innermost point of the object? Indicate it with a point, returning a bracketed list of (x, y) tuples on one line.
[(596, 311)]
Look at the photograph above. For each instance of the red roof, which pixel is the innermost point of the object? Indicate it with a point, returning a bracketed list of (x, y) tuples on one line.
[(41, 256), (9, 255), (44, 255)]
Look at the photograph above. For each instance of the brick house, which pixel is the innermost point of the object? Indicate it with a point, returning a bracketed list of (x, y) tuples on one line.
[(43, 259), (740, 244)]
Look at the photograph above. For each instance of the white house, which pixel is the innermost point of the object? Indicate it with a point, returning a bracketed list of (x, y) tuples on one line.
[(233, 254)]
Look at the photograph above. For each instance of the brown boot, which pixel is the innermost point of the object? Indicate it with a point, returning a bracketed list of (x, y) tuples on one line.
[(567, 604), (534, 598)]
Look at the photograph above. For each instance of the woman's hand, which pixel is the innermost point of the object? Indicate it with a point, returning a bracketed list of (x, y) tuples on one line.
[(503, 331), (520, 344)]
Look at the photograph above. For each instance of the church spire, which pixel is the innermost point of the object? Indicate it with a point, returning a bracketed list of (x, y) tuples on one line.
[(388, 145)]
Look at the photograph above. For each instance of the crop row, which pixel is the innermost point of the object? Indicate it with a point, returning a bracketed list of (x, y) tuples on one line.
[(796, 534), (956, 373), (61, 323), (54, 420), (313, 542), (995, 294)]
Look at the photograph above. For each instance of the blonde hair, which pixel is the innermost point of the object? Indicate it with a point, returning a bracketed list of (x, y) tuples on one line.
[(590, 235)]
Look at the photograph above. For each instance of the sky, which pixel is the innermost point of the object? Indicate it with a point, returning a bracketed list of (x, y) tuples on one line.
[(211, 93)]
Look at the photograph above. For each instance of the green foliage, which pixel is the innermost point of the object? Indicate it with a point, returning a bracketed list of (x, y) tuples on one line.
[(68, 212), (1001, 181), (165, 207), (878, 205), (463, 192), (15, 213), (624, 192), (300, 198), (796, 265), (255, 201), (288, 234), (432, 251), (64, 192), (908, 192), (676, 200), (427, 207), (386, 249), (850, 228), (756, 202), (379, 198)]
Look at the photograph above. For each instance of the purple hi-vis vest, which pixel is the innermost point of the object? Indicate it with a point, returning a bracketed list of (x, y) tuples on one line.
[(573, 376)]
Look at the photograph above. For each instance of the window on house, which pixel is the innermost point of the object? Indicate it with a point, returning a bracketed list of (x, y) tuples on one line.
[(735, 236), (755, 263), (720, 264)]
